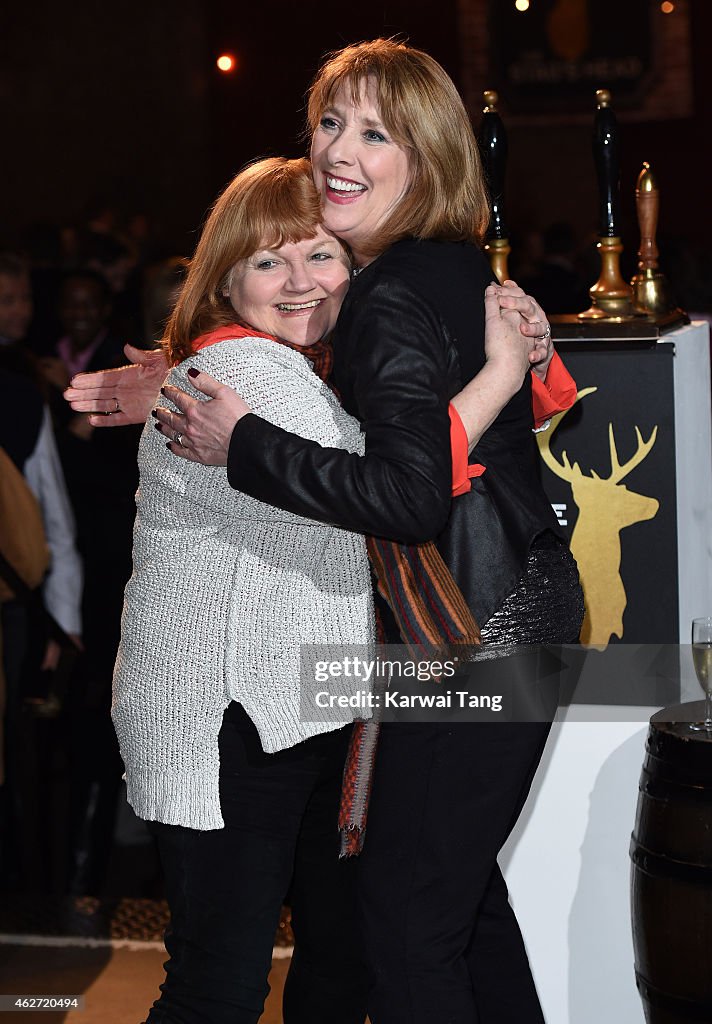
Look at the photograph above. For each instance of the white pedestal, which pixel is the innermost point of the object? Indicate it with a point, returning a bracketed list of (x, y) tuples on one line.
[(567, 863)]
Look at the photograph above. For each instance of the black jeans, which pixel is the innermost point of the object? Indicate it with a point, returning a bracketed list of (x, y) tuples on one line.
[(225, 889)]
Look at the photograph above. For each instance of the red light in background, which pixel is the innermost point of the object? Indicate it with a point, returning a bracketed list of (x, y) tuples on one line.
[(226, 63), (667, 7)]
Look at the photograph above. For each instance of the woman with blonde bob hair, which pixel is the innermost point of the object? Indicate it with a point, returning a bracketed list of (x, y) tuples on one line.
[(423, 112), (395, 163)]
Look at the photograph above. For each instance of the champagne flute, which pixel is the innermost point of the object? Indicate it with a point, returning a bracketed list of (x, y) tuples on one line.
[(702, 659)]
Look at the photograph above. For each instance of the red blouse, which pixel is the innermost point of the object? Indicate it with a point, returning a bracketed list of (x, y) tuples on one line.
[(556, 393)]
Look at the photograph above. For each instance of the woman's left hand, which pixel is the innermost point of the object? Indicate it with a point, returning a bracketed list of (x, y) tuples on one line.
[(534, 324), (201, 431)]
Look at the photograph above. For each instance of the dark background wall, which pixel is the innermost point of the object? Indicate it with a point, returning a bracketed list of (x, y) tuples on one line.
[(103, 104), (123, 103)]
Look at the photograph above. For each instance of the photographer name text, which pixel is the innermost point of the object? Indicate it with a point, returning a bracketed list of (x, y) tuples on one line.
[(365, 699)]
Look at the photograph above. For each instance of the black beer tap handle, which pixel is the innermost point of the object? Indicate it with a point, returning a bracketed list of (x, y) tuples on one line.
[(608, 169), (493, 149)]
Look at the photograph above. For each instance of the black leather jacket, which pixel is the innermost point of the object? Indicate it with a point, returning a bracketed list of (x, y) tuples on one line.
[(410, 335)]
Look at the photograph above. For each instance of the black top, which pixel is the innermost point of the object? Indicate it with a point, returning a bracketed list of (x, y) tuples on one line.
[(410, 335), (21, 413)]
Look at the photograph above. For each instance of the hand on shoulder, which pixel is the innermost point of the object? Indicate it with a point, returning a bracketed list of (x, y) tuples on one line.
[(115, 398)]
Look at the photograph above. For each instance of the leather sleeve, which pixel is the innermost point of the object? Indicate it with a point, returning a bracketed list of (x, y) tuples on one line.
[(400, 488)]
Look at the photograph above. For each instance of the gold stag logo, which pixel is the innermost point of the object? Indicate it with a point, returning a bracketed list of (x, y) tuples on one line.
[(606, 507)]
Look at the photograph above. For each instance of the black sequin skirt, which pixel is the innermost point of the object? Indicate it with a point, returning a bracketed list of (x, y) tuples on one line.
[(547, 605)]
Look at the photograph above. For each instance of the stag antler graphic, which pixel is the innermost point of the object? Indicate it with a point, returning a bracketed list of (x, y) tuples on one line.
[(605, 507)]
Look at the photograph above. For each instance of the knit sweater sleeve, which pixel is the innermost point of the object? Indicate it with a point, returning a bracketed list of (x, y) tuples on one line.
[(280, 386)]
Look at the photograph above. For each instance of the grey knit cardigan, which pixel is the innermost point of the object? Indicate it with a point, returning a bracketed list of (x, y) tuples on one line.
[(223, 592)]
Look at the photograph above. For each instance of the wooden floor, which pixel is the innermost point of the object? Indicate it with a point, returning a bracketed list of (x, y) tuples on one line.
[(118, 985)]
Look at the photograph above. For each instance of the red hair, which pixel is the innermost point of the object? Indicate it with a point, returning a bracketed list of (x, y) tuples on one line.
[(268, 204)]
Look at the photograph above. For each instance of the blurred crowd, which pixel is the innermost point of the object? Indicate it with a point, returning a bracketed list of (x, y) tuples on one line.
[(70, 301)]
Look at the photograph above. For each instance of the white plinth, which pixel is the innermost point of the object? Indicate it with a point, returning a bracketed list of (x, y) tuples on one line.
[(567, 863)]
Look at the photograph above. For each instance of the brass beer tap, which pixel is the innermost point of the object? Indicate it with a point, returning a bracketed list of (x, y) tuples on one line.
[(651, 292), (611, 297)]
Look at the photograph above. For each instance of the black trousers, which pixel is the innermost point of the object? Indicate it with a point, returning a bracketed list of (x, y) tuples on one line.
[(442, 939), (438, 928), (225, 889)]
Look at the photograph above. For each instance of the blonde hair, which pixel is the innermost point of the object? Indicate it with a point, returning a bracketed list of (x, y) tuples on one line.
[(422, 110), (268, 204)]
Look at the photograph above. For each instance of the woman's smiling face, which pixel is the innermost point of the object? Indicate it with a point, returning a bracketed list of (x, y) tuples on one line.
[(360, 172), (293, 292)]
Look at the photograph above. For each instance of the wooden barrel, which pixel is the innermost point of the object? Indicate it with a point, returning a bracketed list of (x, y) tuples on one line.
[(671, 880)]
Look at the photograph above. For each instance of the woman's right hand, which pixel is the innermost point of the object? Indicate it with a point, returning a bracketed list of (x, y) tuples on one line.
[(506, 344), (115, 398), (507, 351)]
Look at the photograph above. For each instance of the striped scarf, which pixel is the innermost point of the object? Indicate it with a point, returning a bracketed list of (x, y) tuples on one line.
[(431, 615), (429, 609)]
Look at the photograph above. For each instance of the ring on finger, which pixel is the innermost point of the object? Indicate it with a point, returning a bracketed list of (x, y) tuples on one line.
[(178, 438), (112, 412), (545, 335)]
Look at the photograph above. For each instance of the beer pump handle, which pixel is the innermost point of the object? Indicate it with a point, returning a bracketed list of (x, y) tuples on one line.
[(607, 161), (647, 201), (493, 148)]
